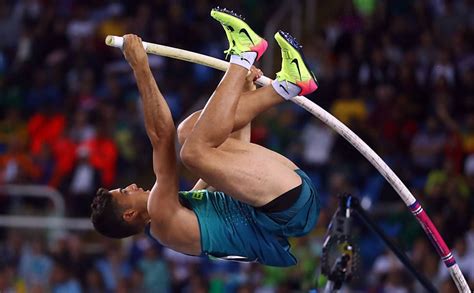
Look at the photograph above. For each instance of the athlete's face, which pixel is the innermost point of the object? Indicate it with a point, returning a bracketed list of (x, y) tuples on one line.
[(132, 199), (127, 194)]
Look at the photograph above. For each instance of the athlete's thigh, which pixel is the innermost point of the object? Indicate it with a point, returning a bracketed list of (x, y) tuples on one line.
[(248, 172)]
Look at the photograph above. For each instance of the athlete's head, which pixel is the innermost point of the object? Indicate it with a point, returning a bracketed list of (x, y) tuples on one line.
[(121, 212)]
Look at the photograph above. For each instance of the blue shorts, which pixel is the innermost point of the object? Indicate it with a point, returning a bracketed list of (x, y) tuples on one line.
[(297, 220)]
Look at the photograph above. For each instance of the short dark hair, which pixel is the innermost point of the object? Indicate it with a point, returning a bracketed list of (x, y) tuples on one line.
[(107, 217)]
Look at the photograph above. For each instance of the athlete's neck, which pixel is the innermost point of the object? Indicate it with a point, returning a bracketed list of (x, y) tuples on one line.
[(143, 205)]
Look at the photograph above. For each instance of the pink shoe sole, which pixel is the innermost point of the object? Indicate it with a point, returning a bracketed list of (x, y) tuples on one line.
[(260, 48), (307, 86)]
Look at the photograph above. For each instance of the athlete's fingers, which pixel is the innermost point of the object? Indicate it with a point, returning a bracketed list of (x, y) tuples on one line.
[(133, 50), (258, 74), (251, 75), (255, 78), (254, 74)]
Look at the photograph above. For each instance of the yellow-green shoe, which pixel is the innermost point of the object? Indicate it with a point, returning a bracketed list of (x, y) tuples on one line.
[(294, 68), (241, 37)]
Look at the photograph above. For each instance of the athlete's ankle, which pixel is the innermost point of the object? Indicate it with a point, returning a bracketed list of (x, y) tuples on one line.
[(285, 89), (245, 59)]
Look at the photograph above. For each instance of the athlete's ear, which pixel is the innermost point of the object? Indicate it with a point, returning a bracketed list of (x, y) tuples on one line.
[(129, 215)]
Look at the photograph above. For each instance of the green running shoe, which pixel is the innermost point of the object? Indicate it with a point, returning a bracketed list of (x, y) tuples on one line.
[(294, 68), (241, 37)]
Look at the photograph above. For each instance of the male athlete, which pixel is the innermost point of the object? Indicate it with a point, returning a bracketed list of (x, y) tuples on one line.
[(260, 197)]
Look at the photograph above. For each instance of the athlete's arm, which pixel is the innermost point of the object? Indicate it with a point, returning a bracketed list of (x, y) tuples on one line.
[(174, 225), (158, 120)]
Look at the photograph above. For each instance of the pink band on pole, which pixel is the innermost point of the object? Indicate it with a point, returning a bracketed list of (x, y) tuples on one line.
[(433, 234)]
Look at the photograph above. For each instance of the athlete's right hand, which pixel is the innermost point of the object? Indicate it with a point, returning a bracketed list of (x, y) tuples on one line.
[(134, 52), (254, 74)]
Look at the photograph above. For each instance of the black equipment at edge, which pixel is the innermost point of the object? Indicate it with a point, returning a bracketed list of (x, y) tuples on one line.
[(339, 234)]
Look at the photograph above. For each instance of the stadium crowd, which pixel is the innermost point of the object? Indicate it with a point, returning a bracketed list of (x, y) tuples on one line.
[(400, 74)]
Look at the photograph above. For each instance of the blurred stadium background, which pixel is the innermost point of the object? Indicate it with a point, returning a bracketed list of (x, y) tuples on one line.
[(400, 73)]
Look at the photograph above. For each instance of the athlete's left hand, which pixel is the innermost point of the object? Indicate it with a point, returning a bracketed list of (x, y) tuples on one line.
[(254, 74), (134, 52)]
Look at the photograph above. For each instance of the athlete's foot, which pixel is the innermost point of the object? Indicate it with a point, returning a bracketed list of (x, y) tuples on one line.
[(245, 45), (295, 77)]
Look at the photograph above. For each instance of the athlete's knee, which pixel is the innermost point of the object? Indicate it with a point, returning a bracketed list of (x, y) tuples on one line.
[(191, 153), (185, 127)]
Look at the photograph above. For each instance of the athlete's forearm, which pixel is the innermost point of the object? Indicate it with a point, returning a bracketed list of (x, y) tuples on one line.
[(158, 120)]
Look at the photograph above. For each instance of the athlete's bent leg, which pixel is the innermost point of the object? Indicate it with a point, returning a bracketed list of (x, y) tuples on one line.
[(219, 113), (250, 105), (221, 106), (245, 171)]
